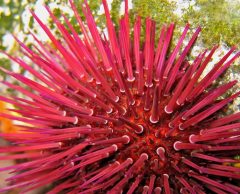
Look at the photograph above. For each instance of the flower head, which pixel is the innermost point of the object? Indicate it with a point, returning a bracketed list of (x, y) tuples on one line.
[(109, 113)]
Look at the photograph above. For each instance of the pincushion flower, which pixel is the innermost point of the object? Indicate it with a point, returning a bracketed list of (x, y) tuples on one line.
[(111, 114)]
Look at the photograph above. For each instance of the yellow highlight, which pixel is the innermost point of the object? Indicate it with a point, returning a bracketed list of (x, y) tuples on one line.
[(6, 125), (237, 165)]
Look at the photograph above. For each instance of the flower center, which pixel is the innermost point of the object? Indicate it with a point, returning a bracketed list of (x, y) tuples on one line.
[(156, 139)]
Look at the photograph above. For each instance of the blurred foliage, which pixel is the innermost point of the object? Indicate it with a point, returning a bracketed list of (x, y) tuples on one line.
[(10, 16), (115, 14), (4, 63), (161, 11), (220, 20)]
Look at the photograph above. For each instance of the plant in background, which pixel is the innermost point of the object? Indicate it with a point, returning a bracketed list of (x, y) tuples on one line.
[(109, 113), (219, 18)]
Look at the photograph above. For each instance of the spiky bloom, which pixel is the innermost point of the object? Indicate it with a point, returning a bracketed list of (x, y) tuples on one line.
[(110, 114)]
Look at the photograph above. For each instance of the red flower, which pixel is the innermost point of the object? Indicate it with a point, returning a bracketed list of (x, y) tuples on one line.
[(109, 115)]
